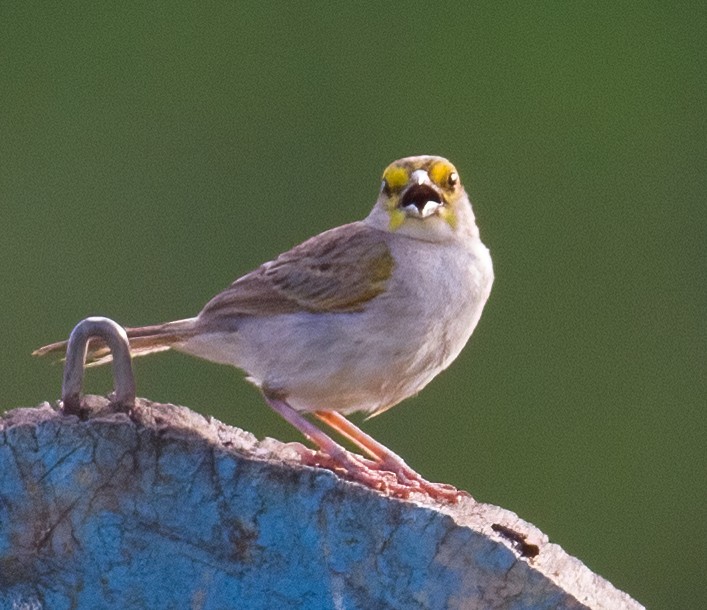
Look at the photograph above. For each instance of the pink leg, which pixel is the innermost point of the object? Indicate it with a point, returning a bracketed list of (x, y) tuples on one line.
[(335, 457), (387, 460)]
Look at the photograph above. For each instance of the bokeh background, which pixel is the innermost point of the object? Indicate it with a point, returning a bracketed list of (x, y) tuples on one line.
[(150, 154)]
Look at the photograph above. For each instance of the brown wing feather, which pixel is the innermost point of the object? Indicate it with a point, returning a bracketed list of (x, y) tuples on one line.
[(337, 271)]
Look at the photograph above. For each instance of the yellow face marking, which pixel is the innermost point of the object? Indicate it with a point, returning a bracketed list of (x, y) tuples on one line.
[(449, 216), (397, 218), (396, 177), (443, 176), (440, 173)]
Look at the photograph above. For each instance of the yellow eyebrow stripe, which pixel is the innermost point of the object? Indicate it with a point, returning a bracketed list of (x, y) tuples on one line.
[(396, 177), (440, 171)]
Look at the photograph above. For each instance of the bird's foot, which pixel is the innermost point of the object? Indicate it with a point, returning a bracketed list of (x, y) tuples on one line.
[(358, 469), (389, 476), (442, 492)]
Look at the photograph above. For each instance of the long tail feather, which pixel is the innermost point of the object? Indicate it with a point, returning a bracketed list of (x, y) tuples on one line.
[(144, 340)]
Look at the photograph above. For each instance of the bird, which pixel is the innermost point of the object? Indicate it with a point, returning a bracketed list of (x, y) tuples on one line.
[(355, 319)]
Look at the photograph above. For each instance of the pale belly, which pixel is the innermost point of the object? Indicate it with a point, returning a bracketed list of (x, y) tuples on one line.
[(364, 361)]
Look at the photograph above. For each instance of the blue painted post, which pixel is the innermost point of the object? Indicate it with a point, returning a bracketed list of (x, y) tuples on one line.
[(167, 509)]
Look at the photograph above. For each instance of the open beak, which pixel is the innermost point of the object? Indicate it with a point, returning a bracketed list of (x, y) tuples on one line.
[(421, 199)]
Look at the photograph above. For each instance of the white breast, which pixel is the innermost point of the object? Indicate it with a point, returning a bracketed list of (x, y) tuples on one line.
[(369, 360)]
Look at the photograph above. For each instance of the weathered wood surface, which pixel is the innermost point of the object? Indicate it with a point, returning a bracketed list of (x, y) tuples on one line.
[(173, 510)]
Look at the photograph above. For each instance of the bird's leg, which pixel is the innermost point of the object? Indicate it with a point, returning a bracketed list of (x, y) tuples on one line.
[(386, 459), (333, 456)]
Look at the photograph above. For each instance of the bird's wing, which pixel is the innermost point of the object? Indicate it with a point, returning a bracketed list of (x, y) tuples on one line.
[(337, 271)]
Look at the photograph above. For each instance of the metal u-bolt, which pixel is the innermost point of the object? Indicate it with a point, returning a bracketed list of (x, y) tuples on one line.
[(77, 348)]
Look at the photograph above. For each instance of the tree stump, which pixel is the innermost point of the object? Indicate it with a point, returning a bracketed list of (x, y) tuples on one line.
[(169, 509)]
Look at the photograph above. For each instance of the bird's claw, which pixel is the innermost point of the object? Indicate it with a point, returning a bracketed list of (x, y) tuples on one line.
[(395, 480)]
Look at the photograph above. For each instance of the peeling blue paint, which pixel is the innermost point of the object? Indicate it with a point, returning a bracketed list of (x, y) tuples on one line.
[(107, 514)]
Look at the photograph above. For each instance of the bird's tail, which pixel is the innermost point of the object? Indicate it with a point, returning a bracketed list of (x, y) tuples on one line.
[(144, 340)]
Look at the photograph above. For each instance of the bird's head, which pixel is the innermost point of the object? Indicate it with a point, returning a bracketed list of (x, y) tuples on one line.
[(423, 197)]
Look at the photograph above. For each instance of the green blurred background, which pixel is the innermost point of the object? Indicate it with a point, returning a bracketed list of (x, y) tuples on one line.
[(149, 156)]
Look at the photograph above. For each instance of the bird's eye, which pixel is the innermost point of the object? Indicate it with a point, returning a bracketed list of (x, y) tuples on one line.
[(444, 174)]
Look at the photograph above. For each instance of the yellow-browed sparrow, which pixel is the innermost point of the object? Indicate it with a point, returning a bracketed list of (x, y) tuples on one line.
[(357, 318)]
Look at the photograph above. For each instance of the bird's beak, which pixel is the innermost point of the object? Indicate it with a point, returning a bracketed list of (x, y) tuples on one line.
[(421, 199)]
